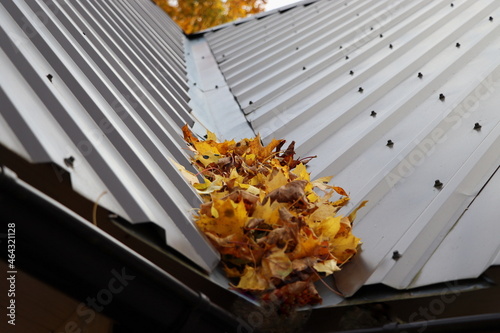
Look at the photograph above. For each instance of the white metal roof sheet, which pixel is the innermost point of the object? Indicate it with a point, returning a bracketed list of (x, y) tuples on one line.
[(103, 82), (341, 79)]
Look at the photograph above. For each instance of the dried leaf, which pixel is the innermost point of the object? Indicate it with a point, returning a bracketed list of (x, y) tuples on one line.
[(277, 264), (252, 279), (328, 266)]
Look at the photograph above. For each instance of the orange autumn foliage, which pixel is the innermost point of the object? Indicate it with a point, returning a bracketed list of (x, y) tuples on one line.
[(196, 15)]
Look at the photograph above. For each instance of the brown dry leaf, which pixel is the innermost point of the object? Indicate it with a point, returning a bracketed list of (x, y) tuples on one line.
[(277, 264), (290, 192)]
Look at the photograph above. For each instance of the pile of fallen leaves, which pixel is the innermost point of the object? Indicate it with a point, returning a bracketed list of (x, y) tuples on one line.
[(276, 234)]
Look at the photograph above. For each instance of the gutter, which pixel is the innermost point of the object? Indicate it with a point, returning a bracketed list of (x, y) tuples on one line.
[(476, 323), (72, 255)]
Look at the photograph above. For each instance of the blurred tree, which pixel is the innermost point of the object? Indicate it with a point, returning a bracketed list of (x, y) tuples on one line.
[(196, 15)]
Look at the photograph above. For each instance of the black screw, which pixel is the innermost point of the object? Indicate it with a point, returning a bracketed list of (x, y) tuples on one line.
[(381, 35), (371, 28), (390, 143), (451, 4), (340, 47), (390, 46), (346, 57), (477, 126), (69, 161), (396, 255), (216, 87), (296, 48), (441, 97), (84, 33), (373, 113), (351, 73), (438, 184), (49, 76), (360, 90), (304, 68), (250, 103), (457, 44), (420, 75), (203, 57), (491, 18)]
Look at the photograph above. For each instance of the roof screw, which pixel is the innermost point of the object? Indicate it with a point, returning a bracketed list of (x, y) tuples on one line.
[(250, 103), (390, 46), (477, 126), (381, 35), (304, 68), (457, 44), (451, 4), (396, 255), (346, 57), (438, 184), (69, 161), (371, 28), (340, 47), (216, 87), (390, 143), (351, 72), (203, 57), (420, 75), (373, 113), (491, 18), (49, 76), (297, 48), (441, 97), (360, 90)]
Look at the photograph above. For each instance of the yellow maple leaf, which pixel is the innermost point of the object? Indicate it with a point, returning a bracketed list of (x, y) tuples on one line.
[(269, 212), (329, 227), (252, 279), (301, 172), (228, 218), (307, 246), (277, 179)]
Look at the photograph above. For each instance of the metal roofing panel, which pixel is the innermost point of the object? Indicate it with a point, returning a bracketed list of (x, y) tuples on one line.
[(83, 81), (340, 78)]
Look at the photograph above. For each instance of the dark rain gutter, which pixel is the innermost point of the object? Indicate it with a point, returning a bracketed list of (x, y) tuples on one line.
[(474, 323), (67, 252)]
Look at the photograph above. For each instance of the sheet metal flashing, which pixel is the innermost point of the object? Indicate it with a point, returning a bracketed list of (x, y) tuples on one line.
[(99, 88), (399, 101), (212, 103)]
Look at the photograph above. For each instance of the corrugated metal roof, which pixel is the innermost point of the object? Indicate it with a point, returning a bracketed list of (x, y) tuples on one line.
[(341, 78), (100, 88)]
